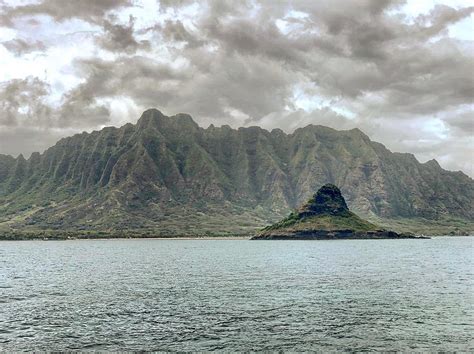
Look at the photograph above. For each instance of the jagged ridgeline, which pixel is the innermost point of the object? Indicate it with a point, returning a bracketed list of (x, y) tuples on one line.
[(169, 175)]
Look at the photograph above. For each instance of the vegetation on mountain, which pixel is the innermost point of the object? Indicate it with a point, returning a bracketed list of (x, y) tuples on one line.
[(166, 175)]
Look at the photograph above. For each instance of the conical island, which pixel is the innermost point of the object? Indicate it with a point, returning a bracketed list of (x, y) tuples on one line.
[(325, 216)]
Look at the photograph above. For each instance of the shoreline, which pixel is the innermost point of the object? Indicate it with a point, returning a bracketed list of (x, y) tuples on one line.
[(69, 235), (124, 238), (161, 238), (208, 238)]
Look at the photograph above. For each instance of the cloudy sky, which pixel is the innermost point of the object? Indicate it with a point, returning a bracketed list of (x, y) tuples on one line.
[(401, 71)]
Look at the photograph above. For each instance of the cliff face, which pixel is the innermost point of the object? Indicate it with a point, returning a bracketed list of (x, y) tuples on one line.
[(138, 175), (328, 200)]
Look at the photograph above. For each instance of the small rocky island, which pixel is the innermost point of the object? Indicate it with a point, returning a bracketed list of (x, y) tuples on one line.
[(325, 217)]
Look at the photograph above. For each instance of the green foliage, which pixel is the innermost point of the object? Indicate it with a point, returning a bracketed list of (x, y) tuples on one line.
[(291, 219), (347, 221), (167, 175)]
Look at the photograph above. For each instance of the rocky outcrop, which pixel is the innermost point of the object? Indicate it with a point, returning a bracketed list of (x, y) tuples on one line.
[(328, 200), (324, 217)]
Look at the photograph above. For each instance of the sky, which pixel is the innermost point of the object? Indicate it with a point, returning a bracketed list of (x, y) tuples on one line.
[(401, 71)]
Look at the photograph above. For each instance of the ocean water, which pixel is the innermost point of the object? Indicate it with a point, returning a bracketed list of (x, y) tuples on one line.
[(237, 295)]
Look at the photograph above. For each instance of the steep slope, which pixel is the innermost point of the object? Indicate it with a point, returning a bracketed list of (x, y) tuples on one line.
[(325, 216), (167, 173)]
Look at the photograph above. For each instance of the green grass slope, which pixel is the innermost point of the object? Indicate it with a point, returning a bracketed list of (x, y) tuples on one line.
[(346, 221)]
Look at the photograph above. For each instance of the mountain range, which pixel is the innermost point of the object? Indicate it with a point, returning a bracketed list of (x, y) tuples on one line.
[(169, 176)]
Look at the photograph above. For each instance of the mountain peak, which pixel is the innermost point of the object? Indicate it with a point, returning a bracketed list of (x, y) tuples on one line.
[(21, 158), (433, 163), (327, 200), (153, 118), (150, 116), (185, 120)]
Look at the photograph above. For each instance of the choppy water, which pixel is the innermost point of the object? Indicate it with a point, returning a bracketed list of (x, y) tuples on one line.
[(237, 295)]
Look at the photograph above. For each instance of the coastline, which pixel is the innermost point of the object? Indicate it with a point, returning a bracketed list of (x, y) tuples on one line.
[(112, 238), (209, 238), (68, 235), (163, 238)]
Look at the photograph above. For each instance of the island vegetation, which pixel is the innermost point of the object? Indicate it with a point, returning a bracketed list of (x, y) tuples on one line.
[(326, 216)]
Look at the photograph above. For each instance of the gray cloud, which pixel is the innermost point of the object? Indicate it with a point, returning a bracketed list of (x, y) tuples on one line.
[(143, 79), (441, 16), (88, 10), (120, 38), (164, 4), (22, 102), (174, 31), (20, 46), (462, 123), (26, 140)]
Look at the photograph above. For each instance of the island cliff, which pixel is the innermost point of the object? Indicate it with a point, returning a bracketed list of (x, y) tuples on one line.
[(325, 216)]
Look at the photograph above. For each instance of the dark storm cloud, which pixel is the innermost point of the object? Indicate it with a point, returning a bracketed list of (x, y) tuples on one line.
[(207, 93), (351, 50), (218, 87), (20, 46), (120, 38), (60, 10), (143, 79), (245, 37)]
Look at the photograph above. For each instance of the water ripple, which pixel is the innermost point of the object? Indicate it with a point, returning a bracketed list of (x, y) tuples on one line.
[(167, 295)]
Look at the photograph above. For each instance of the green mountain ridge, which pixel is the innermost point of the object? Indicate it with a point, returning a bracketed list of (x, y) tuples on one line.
[(169, 175)]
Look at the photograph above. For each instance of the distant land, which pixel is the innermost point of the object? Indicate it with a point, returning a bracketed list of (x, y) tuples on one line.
[(166, 176), (326, 217)]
